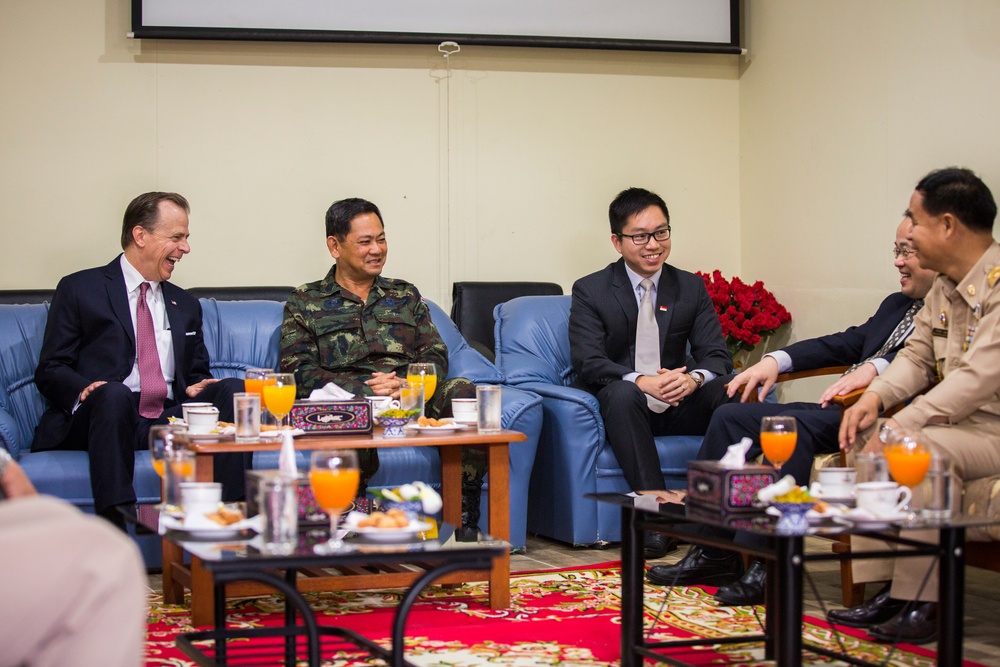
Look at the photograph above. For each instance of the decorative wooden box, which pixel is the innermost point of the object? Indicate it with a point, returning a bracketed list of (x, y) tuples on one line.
[(727, 489), (332, 417)]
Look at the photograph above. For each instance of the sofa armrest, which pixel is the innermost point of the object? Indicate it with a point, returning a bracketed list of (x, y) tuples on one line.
[(8, 434)]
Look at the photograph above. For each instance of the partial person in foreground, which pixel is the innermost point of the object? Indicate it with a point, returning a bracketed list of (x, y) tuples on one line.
[(867, 348), (87, 609), (646, 341), (953, 356), (360, 331), (122, 350)]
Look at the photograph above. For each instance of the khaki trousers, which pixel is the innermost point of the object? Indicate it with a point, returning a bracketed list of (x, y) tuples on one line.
[(975, 453), (74, 588)]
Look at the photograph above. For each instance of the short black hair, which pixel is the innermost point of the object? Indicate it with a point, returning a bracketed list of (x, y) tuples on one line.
[(632, 201), (340, 214), (960, 192), (144, 211)]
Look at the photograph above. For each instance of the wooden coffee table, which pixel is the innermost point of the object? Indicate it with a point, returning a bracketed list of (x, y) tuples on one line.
[(177, 575)]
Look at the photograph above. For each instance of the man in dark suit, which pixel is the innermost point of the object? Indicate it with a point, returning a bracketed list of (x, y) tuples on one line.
[(645, 339), (105, 385), (868, 348)]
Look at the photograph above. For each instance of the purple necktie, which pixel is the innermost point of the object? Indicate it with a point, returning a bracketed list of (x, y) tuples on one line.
[(153, 388)]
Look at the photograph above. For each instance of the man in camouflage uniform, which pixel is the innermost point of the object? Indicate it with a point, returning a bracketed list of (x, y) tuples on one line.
[(360, 330)]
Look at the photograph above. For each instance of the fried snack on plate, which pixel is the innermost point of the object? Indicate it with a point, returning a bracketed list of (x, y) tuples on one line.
[(430, 421), (391, 519), (225, 516)]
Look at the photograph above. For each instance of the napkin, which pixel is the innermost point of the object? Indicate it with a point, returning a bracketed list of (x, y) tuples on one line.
[(736, 455), (782, 486), (286, 457), (330, 392)]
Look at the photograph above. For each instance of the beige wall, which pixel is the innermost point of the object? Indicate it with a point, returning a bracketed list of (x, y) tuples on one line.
[(499, 169), (844, 105), (792, 165)]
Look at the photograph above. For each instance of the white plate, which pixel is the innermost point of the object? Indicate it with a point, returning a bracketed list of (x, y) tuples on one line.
[(832, 512), (392, 534), (436, 429), (471, 421), (863, 519), (244, 528)]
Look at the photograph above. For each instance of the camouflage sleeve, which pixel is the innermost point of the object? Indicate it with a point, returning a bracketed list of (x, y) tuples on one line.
[(300, 352), (431, 347)]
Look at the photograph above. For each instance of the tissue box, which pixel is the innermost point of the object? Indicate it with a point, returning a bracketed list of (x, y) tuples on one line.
[(727, 489), (332, 417)]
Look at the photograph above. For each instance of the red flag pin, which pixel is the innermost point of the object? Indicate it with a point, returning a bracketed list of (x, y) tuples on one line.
[(663, 309)]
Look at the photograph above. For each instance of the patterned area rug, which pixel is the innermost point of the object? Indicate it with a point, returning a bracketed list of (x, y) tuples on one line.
[(564, 617)]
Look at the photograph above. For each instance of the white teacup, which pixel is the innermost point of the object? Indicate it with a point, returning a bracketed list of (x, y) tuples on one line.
[(199, 499), (186, 407), (836, 482), (202, 420), (464, 410), (882, 499), (381, 403)]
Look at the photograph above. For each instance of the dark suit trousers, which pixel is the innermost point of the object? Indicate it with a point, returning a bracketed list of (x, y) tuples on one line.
[(817, 433), (631, 426), (109, 428)]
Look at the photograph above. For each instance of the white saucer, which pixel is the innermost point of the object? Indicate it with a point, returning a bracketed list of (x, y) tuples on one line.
[(863, 519), (471, 421), (436, 429), (392, 534), (244, 529)]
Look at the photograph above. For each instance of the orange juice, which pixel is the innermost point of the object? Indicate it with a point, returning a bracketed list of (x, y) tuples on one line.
[(253, 385), (908, 466), (430, 383), (778, 446), (158, 467), (334, 489), (182, 469), (279, 399)]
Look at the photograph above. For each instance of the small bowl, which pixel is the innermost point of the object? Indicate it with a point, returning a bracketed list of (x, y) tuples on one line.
[(394, 426), (793, 517)]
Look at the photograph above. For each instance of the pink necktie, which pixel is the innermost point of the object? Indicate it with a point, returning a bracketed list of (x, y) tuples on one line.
[(153, 388)]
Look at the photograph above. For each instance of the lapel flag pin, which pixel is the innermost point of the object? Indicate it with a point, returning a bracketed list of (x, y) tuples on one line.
[(663, 309), (173, 302)]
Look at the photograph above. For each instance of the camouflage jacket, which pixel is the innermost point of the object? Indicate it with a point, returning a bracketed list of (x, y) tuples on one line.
[(328, 335)]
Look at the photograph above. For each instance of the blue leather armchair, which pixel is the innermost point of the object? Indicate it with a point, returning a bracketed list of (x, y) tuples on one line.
[(573, 458), (238, 334)]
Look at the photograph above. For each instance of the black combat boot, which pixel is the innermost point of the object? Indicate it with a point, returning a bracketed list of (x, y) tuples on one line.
[(469, 530)]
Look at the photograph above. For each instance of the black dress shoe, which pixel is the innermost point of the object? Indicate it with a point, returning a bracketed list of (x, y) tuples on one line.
[(877, 610), (748, 590), (657, 546), (916, 624), (698, 567)]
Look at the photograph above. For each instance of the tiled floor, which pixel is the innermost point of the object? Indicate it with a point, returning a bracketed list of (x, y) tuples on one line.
[(982, 591)]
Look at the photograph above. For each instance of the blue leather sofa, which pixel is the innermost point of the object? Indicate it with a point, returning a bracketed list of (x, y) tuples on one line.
[(238, 334), (573, 458)]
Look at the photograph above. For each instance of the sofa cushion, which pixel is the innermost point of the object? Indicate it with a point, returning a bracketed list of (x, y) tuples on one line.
[(241, 335), (21, 331), (532, 340)]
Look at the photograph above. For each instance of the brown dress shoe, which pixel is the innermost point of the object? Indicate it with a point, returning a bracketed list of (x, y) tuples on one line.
[(879, 609), (916, 624)]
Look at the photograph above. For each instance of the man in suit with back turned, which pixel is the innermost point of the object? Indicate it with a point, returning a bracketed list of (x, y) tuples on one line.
[(645, 339), (122, 349)]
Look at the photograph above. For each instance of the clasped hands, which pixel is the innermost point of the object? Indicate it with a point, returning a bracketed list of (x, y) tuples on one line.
[(385, 384), (669, 385)]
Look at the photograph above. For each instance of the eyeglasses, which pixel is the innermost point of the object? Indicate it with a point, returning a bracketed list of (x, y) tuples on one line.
[(905, 252), (643, 239)]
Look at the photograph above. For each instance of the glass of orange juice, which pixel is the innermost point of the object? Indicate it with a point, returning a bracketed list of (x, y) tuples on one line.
[(164, 440), (424, 374), (279, 395), (908, 461), (777, 438), (334, 475)]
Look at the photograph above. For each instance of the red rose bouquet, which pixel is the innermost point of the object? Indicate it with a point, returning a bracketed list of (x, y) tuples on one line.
[(747, 313)]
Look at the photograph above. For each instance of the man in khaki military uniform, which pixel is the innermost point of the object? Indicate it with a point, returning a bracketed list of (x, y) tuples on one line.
[(955, 350)]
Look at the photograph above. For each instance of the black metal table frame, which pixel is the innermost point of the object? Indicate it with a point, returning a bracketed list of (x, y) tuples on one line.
[(783, 641), (261, 570)]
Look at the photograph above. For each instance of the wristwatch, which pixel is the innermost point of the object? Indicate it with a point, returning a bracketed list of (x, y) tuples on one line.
[(885, 432), (698, 378), (5, 459)]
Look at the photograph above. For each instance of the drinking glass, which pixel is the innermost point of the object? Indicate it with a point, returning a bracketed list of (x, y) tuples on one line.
[(164, 439), (253, 382), (908, 462), (279, 395), (423, 374), (334, 475), (777, 438)]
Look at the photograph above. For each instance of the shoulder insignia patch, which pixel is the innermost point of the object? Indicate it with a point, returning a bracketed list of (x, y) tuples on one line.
[(993, 276)]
